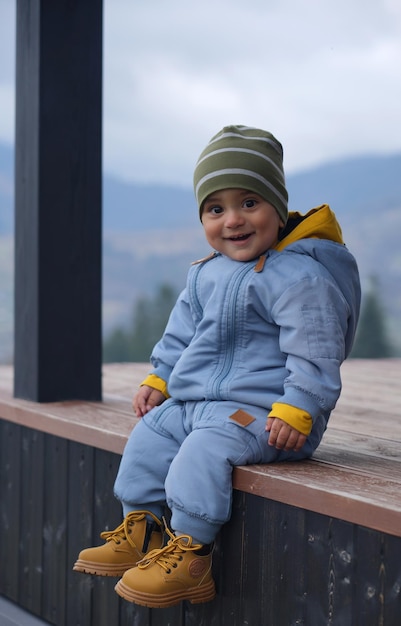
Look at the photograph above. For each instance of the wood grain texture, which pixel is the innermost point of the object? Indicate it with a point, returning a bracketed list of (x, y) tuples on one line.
[(274, 563)]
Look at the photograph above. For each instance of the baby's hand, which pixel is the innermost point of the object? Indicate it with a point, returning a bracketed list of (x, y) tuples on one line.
[(146, 399), (283, 436)]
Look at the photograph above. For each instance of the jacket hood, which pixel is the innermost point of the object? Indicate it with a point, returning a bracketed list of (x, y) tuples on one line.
[(318, 223)]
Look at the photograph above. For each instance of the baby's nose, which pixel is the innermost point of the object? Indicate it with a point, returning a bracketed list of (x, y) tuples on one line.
[(234, 218)]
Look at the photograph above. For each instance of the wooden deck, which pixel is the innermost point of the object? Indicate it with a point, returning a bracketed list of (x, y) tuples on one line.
[(314, 543), (355, 474)]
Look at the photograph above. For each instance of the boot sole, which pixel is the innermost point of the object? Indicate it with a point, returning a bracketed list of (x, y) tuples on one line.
[(100, 569), (204, 593)]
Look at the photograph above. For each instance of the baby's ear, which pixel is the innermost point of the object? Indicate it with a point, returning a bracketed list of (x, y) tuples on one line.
[(281, 223)]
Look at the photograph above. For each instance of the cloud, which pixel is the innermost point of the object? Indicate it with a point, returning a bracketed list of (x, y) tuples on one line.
[(7, 108), (7, 42), (323, 77)]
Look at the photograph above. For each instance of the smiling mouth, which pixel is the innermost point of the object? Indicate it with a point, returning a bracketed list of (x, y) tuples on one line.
[(239, 237)]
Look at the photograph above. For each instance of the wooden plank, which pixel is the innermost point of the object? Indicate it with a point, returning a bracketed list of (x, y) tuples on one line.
[(103, 425), (135, 615), (365, 422), (319, 571), (340, 573), (390, 579), (360, 463), (336, 493), (375, 446), (206, 614), (31, 521), (256, 550), (10, 501), (80, 531), (285, 547), (281, 546), (107, 514), (54, 571), (369, 604), (229, 557), (377, 581)]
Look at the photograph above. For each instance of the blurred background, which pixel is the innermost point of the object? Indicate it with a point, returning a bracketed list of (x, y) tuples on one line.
[(323, 77)]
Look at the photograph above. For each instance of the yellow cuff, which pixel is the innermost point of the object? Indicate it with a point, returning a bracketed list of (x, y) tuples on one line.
[(296, 418), (157, 383)]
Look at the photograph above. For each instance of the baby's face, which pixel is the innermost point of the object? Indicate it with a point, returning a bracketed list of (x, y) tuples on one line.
[(240, 224)]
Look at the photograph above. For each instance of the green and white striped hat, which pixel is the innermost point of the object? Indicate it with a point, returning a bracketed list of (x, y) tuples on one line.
[(240, 157)]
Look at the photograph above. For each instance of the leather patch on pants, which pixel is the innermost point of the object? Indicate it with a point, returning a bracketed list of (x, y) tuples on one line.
[(242, 418)]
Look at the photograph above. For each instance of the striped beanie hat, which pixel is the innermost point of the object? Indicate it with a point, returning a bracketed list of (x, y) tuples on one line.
[(240, 157)]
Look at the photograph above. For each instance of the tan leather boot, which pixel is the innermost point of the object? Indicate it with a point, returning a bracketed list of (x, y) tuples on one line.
[(179, 571), (124, 546)]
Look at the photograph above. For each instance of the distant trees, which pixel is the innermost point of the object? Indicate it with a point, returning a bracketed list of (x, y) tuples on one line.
[(149, 319), (371, 340)]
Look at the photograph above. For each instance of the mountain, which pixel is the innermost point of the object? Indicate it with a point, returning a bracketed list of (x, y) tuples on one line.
[(151, 233), (354, 187), (138, 208)]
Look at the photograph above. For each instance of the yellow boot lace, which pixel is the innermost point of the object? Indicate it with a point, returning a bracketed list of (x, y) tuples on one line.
[(169, 556), (123, 531)]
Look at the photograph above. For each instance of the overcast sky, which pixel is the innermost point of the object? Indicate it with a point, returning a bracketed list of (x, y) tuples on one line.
[(323, 76)]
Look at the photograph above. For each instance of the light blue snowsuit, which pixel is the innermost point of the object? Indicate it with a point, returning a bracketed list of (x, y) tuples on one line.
[(238, 340)]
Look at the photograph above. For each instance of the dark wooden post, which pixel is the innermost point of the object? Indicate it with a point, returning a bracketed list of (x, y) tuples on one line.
[(58, 200)]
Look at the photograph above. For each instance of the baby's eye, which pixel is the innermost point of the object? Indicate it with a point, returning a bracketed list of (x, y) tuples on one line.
[(215, 210), (249, 204)]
